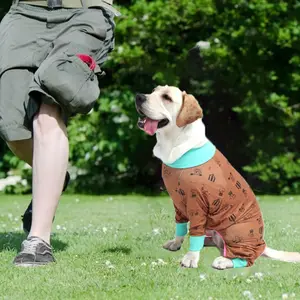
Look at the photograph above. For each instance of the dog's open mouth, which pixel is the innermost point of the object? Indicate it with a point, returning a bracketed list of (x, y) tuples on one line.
[(150, 126)]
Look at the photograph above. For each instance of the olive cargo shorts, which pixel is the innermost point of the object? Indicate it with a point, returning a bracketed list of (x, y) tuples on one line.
[(50, 56)]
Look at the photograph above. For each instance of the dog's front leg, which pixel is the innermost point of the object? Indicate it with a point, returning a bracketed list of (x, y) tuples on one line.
[(197, 211), (175, 244), (191, 259)]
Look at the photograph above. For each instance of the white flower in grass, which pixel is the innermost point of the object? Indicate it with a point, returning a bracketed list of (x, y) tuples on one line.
[(154, 263), (248, 295), (248, 280), (161, 262), (143, 264), (104, 229), (202, 277), (109, 265), (156, 231), (259, 275), (286, 295), (58, 227), (77, 200)]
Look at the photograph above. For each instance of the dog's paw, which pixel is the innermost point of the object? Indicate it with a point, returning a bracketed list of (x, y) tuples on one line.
[(173, 245), (190, 260), (222, 263)]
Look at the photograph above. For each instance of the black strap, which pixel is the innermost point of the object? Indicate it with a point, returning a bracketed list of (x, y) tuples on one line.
[(54, 3)]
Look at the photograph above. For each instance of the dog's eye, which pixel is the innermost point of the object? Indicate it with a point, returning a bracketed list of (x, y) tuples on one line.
[(167, 97)]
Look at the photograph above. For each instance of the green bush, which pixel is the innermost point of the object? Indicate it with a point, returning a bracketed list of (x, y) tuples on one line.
[(153, 40), (257, 64), (246, 79)]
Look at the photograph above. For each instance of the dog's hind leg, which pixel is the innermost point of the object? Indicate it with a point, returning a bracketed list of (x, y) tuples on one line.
[(222, 263), (213, 239)]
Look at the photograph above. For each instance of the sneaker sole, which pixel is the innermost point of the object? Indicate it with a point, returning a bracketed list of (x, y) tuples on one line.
[(32, 265)]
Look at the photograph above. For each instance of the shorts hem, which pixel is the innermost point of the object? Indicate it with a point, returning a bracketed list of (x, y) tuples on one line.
[(15, 133)]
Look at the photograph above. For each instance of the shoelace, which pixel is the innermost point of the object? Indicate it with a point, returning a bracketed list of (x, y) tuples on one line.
[(30, 246)]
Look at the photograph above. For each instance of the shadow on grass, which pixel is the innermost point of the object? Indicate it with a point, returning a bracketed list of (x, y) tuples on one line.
[(124, 250), (13, 240)]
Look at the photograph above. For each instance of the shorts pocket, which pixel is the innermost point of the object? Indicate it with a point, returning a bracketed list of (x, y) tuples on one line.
[(71, 82)]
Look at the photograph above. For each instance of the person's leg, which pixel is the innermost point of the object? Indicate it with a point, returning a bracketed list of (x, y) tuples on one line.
[(50, 161), (23, 149)]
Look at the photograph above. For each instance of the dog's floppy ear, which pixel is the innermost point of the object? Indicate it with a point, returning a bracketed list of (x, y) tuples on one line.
[(190, 110)]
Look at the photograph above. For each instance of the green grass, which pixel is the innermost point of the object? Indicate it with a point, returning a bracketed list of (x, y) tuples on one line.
[(110, 248)]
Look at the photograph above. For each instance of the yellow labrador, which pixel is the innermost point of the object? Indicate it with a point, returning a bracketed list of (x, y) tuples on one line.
[(176, 119)]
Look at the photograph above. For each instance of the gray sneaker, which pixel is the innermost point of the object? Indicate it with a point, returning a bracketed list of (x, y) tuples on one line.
[(34, 252)]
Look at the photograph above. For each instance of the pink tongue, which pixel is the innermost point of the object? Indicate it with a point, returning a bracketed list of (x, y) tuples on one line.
[(150, 126)]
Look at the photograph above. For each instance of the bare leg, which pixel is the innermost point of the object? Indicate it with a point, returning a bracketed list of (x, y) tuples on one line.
[(50, 160), (22, 149)]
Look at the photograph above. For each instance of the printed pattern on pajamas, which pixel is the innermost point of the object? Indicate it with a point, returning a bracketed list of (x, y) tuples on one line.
[(214, 196)]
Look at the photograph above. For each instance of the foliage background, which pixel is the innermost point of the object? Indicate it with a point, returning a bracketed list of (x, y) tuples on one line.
[(239, 58)]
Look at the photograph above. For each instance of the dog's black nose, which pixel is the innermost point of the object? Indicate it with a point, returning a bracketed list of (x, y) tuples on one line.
[(140, 99)]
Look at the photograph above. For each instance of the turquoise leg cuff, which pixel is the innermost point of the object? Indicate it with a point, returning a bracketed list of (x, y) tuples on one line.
[(239, 263), (181, 229), (196, 242)]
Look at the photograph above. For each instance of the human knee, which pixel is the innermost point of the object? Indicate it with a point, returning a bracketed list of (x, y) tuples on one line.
[(48, 119)]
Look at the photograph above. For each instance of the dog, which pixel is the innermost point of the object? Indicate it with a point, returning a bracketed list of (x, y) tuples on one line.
[(207, 192)]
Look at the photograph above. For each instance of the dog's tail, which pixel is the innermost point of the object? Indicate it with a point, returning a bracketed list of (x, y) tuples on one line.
[(281, 255)]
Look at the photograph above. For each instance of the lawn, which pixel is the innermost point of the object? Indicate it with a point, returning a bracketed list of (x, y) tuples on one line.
[(110, 248)]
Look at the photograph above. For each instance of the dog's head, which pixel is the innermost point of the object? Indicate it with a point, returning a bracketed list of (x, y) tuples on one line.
[(166, 107)]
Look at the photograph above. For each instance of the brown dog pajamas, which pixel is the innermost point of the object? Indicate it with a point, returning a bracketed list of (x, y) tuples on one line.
[(214, 196)]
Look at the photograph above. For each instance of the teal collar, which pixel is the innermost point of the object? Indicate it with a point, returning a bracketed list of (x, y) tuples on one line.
[(195, 157)]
